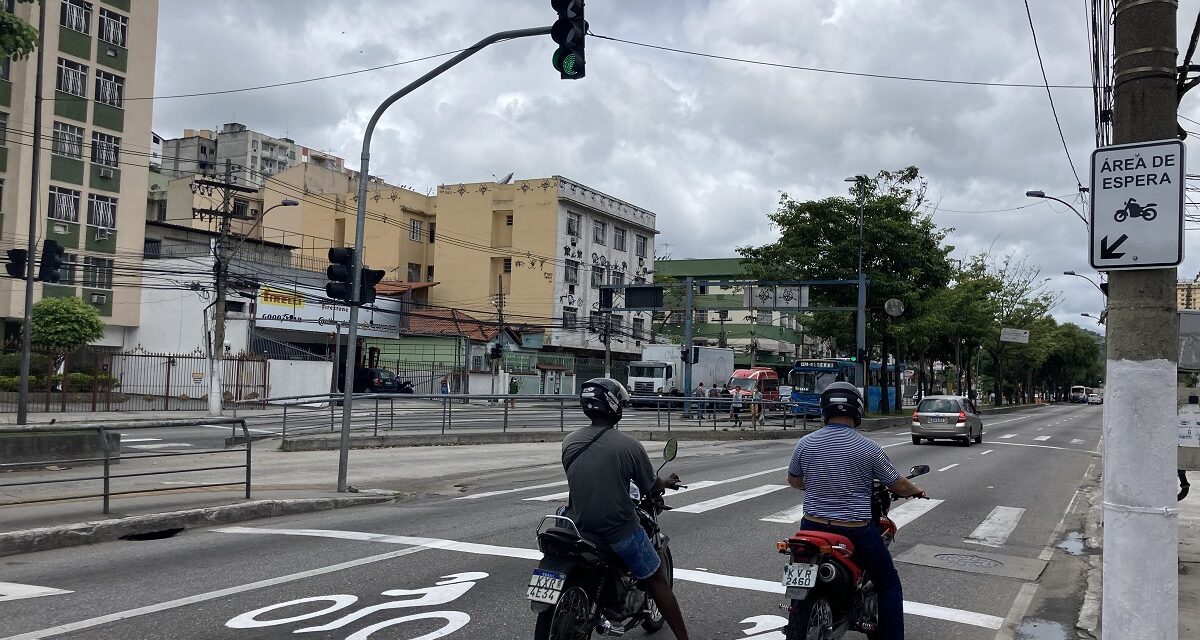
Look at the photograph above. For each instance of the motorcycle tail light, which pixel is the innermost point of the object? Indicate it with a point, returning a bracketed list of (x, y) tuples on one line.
[(782, 546)]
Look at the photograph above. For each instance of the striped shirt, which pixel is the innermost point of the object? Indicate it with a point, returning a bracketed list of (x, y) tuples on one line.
[(838, 465)]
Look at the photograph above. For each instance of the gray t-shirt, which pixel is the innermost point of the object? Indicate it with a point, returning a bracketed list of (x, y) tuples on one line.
[(599, 482)]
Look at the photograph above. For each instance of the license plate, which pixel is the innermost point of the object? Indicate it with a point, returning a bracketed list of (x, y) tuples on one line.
[(803, 576), (546, 586), (937, 420)]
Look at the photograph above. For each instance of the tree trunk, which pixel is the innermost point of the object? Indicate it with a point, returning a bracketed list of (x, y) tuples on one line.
[(970, 378)]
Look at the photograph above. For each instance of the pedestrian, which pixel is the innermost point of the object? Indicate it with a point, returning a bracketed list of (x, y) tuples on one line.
[(700, 392), (714, 393), (756, 409), (735, 410), (445, 387), (514, 385)]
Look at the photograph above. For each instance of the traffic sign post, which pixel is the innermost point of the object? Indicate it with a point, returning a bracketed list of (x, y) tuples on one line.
[(1137, 206)]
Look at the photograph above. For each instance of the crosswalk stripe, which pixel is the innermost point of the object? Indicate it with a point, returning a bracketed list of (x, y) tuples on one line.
[(129, 440), (1042, 438), (504, 491), (1009, 435), (549, 498), (996, 527), (948, 467), (911, 510), (787, 516), (984, 453), (161, 445), (716, 503)]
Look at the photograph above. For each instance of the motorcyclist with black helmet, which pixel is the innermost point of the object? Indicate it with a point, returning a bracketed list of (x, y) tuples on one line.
[(601, 463)]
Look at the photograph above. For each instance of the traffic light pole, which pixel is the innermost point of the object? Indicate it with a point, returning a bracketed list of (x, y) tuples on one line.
[(31, 244), (363, 178)]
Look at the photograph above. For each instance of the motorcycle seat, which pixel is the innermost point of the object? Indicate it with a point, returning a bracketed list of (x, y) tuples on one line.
[(832, 539)]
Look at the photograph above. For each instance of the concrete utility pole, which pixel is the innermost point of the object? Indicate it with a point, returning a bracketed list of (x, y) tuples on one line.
[(689, 306), (216, 353), (35, 195), (1141, 529), (860, 325), (500, 328)]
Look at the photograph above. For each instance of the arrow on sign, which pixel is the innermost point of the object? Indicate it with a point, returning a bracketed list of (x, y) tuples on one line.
[(1110, 252)]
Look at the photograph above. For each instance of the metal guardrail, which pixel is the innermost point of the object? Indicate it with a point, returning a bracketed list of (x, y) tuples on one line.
[(102, 431)]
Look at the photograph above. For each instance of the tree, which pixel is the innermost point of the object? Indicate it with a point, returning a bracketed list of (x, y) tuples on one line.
[(17, 38), (63, 325)]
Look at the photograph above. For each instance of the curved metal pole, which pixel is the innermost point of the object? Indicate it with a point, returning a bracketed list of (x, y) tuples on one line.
[(364, 176), (1073, 210)]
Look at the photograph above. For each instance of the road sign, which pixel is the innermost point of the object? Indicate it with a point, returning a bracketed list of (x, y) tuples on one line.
[(1014, 335), (1137, 206)]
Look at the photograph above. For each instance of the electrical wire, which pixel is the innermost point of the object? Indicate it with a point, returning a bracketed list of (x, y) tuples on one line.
[(1050, 96)]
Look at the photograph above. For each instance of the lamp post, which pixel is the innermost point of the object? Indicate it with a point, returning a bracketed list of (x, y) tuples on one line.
[(246, 236), (860, 181), (1042, 194), (1099, 319), (1077, 275)]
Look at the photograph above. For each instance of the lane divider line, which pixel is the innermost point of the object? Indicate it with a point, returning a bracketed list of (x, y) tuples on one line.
[(948, 467)]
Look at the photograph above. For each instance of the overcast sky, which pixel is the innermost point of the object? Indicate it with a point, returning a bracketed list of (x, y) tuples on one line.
[(706, 144)]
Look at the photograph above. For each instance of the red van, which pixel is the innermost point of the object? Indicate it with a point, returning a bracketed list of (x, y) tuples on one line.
[(764, 379)]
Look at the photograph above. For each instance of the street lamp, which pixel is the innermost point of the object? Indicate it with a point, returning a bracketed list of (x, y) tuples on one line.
[(1099, 319), (245, 236), (1077, 275), (860, 181), (1042, 194)]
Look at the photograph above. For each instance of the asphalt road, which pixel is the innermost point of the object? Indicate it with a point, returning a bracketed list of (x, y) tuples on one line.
[(375, 572)]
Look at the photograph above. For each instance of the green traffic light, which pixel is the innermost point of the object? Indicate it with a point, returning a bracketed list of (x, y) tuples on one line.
[(565, 62)]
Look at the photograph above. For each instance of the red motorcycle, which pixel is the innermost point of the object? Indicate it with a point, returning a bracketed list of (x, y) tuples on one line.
[(829, 593)]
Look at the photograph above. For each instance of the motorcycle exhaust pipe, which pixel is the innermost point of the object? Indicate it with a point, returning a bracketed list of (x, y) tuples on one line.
[(826, 572)]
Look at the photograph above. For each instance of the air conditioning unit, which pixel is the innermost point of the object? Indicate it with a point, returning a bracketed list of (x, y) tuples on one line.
[(102, 233), (106, 173), (99, 298), (574, 240), (111, 51)]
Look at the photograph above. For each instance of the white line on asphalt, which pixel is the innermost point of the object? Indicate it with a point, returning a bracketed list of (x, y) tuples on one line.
[(986, 452), (996, 527), (562, 495), (1076, 441), (1042, 438), (787, 516), (15, 591), (911, 510), (125, 440), (704, 577), (204, 597), (497, 493), (692, 486), (1042, 446), (1019, 606), (161, 445), (733, 498), (1009, 435), (231, 428), (948, 467)]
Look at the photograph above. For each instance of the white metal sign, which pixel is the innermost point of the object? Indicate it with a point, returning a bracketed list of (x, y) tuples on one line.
[(1014, 335), (1137, 206), (775, 297), (299, 308)]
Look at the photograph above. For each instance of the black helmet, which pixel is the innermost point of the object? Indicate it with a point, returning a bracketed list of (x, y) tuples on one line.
[(842, 399), (603, 399)]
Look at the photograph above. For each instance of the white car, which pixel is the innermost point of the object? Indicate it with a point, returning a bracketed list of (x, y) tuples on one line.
[(1095, 399)]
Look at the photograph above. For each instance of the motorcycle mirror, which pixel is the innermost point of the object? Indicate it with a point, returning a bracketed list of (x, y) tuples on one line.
[(671, 450), (918, 470)]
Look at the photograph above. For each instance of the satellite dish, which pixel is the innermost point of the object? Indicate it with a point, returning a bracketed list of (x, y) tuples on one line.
[(893, 307)]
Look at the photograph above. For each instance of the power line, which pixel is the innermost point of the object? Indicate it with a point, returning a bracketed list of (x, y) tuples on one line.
[(1050, 95)]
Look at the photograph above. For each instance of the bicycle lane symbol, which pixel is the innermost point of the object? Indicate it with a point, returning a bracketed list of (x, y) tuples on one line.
[(449, 589)]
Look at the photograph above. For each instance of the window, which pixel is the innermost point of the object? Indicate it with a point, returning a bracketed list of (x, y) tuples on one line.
[(76, 15), (70, 265), (700, 317), (3, 129), (508, 220), (432, 235), (416, 231), (639, 329), (254, 145), (5, 68), (429, 273), (639, 246), (570, 317), (151, 248), (618, 278), (618, 238), (114, 27), (72, 78), (414, 272), (597, 276), (160, 210), (253, 162), (106, 149), (97, 272), (477, 363), (64, 204), (508, 265), (600, 232), (241, 208), (764, 318), (68, 140), (102, 211), (1, 193), (573, 225), (110, 88), (571, 272)]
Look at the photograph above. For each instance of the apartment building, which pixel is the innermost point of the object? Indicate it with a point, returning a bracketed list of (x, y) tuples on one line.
[(552, 242), (1187, 295), (96, 149), (254, 157)]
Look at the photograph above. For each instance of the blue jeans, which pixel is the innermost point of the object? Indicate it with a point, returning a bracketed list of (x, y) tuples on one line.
[(872, 555), (638, 554)]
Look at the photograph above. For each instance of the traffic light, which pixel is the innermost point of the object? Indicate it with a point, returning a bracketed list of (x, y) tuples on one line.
[(341, 274), (495, 350), (17, 261), (569, 31), (606, 299), (367, 282), (52, 258)]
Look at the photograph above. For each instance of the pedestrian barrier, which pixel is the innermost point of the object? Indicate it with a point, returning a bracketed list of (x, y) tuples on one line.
[(110, 457)]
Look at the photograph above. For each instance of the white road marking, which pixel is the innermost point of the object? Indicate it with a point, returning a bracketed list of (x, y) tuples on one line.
[(692, 486), (996, 527), (161, 445), (1076, 441), (911, 510), (487, 494), (230, 428), (948, 467), (1008, 435), (562, 495), (984, 453), (787, 516), (1042, 446), (125, 440), (15, 591), (703, 577), (733, 498), (1042, 438)]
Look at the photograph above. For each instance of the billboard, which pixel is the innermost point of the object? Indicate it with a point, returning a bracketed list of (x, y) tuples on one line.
[(299, 308)]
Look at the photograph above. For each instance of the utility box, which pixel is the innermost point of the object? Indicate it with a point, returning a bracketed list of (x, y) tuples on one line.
[(1189, 434)]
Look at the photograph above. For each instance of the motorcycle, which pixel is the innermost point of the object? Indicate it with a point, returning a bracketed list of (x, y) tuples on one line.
[(1134, 210), (581, 587), (830, 594)]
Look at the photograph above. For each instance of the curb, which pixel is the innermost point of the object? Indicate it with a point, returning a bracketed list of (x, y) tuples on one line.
[(70, 535), (325, 443)]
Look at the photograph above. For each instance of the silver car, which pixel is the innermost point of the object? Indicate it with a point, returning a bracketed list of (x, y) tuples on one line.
[(948, 418)]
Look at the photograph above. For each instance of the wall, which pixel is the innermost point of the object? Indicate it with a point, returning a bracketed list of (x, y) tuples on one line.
[(172, 320), (298, 377)]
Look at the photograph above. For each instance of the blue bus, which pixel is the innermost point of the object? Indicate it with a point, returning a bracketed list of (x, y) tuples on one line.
[(811, 376)]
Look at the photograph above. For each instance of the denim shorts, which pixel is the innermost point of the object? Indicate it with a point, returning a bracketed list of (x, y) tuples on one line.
[(638, 554)]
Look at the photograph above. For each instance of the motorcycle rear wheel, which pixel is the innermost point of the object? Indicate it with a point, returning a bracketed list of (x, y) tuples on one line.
[(655, 621), (1149, 213), (570, 619), (810, 619)]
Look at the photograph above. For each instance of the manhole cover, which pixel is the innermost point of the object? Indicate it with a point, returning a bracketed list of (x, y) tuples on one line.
[(968, 560)]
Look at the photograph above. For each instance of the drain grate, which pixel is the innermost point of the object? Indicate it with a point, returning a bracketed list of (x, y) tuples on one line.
[(968, 560)]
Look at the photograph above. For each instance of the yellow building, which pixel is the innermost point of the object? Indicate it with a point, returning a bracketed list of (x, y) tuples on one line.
[(1187, 295), (553, 242), (96, 147)]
